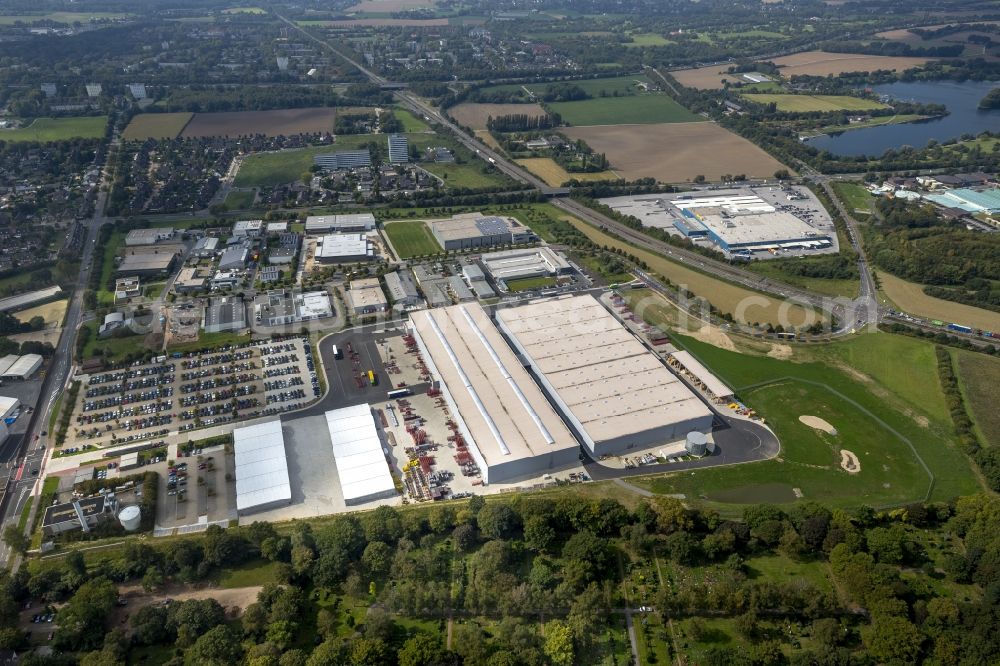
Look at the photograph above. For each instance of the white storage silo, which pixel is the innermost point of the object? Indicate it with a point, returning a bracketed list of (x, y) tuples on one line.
[(697, 443), (130, 517)]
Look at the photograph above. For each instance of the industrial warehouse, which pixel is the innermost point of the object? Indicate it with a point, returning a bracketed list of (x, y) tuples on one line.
[(261, 468), (525, 263), (617, 395), (359, 456), (762, 221), (473, 230), (512, 429)]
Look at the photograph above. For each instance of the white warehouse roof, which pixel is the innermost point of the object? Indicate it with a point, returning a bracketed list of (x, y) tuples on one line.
[(7, 405), (24, 367), (261, 467), (357, 452)]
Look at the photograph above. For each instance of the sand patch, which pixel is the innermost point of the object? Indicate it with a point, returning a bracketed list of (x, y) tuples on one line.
[(849, 462), (712, 336), (818, 423), (780, 351)]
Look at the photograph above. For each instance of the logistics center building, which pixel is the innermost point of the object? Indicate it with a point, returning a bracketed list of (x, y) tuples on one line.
[(616, 394), (512, 431)]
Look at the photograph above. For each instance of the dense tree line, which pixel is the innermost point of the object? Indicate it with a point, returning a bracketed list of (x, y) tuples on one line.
[(522, 122), (516, 560)]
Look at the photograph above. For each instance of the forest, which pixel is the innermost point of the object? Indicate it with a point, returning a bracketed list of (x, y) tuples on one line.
[(539, 580)]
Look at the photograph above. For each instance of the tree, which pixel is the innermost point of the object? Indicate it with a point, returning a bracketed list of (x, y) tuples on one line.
[(887, 544), (424, 650), (281, 633), (464, 537), (377, 558), (82, 620), (538, 533), (671, 516), (890, 638), (219, 645), (559, 643), (497, 521), (149, 625), (369, 652), (15, 539), (331, 652)]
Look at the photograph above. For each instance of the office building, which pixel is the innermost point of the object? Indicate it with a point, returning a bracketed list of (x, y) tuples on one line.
[(399, 149)]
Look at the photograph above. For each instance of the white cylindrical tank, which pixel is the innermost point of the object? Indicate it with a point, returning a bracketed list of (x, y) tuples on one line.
[(130, 517), (697, 443)]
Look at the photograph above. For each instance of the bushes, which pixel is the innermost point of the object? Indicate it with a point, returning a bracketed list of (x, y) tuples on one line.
[(67, 412)]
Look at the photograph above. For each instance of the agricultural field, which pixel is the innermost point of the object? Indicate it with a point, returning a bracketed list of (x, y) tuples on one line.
[(156, 126), (377, 23), (45, 130), (411, 238), (910, 297), (813, 103), (377, 6), (270, 123), (244, 10), (648, 39), (978, 375), (475, 116), (553, 174), (705, 148), (61, 17), (821, 63), (814, 63), (631, 110), (52, 313)]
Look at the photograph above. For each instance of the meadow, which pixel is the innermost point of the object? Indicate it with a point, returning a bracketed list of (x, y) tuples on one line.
[(472, 176), (61, 17), (855, 197), (45, 130), (411, 238), (815, 103), (978, 375)]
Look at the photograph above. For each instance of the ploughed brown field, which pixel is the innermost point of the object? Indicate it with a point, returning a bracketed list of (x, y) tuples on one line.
[(390, 5), (676, 152), (270, 123), (474, 115), (814, 63)]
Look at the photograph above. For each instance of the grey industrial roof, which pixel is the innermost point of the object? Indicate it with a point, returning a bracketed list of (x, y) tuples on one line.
[(28, 298), (226, 311), (261, 466), (503, 409), (357, 453), (612, 384), (704, 375)]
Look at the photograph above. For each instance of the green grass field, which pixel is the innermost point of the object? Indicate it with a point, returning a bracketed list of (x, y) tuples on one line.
[(244, 10), (978, 375), (411, 239), (469, 176), (854, 196), (58, 129), (621, 85), (106, 297), (240, 199), (207, 340), (749, 34), (827, 287), (810, 103), (526, 284), (411, 123), (113, 348), (156, 126), (258, 572), (641, 109)]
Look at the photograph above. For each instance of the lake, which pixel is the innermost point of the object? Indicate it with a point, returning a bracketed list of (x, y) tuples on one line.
[(961, 98)]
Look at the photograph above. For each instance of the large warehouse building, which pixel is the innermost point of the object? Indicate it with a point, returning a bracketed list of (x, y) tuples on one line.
[(261, 468), (359, 455), (512, 430), (738, 221), (617, 395), (472, 230), (525, 263), (342, 248)]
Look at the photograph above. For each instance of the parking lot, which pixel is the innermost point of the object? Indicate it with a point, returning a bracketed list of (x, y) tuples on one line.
[(151, 401), (195, 491)]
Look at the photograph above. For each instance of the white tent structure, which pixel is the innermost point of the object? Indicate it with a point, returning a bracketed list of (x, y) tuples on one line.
[(357, 452), (261, 468)]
